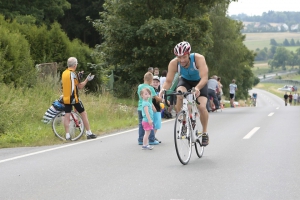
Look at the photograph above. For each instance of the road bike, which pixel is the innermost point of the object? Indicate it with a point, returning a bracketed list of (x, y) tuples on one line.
[(76, 126), (187, 127)]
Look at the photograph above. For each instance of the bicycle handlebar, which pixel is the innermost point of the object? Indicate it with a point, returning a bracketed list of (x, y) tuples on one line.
[(185, 94)]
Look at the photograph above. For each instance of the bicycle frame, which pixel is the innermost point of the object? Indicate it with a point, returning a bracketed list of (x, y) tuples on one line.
[(194, 112)]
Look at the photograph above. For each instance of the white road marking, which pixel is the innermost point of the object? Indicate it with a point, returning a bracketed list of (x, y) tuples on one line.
[(249, 135), (271, 114), (277, 108), (69, 145)]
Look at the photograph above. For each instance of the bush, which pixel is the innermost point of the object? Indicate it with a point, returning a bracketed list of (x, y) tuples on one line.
[(256, 81), (16, 65)]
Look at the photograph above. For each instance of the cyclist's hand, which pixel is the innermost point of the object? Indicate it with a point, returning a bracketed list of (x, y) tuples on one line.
[(161, 93), (90, 77), (197, 92)]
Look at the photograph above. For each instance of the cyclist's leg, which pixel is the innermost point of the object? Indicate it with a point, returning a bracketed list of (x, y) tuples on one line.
[(68, 108), (182, 86), (80, 108), (202, 108)]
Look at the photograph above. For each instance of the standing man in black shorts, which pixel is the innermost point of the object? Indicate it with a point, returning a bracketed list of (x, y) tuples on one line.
[(70, 85), (194, 73)]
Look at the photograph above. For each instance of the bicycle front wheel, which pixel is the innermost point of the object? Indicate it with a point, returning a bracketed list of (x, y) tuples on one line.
[(76, 127), (182, 138)]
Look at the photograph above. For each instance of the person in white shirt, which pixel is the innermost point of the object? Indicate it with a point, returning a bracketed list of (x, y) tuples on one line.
[(232, 90), (295, 97), (162, 79)]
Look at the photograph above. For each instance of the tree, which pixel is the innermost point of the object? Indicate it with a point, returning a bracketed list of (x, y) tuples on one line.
[(273, 42), (46, 11), (292, 43), (286, 43), (229, 57), (16, 64), (75, 24), (281, 57), (139, 33)]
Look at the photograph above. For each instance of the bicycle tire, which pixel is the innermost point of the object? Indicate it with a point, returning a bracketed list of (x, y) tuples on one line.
[(75, 131), (182, 139)]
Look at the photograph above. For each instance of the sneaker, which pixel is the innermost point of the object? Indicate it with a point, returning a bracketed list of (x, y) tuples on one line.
[(68, 137), (154, 143), (157, 140), (91, 136), (205, 139), (148, 147), (140, 143)]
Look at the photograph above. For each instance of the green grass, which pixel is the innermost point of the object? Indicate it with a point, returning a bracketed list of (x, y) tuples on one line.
[(261, 40), (22, 111)]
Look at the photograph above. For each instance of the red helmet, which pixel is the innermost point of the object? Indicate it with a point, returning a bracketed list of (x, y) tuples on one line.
[(182, 48)]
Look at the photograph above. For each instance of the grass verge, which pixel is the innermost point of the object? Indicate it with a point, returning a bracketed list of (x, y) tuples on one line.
[(22, 111)]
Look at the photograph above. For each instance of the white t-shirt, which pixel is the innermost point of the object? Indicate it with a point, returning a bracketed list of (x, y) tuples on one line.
[(295, 96), (162, 80), (232, 88)]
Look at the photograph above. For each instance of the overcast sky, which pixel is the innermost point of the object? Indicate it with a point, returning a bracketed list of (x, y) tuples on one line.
[(257, 7)]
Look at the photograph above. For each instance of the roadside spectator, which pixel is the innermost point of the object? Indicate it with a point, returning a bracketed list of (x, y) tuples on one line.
[(150, 69), (162, 79), (220, 92), (156, 71), (286, 96), (147, 113), (232, 90), (295, 97), (157, 110), (212, 86), (290, 98), (298, 98), (148, 78)]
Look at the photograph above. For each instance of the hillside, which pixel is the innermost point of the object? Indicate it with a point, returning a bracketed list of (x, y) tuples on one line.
[(261, 40)]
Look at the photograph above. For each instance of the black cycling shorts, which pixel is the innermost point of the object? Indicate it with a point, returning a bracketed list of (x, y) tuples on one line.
[(78, 106), (190, 84)]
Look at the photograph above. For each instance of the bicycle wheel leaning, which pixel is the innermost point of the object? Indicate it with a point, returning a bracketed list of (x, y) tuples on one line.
[(76, 127), (182, 138)]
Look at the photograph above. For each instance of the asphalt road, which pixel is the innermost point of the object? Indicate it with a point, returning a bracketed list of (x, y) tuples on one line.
[(254, 153)]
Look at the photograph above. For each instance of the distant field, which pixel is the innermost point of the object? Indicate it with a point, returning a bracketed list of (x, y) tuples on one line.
[(261, 68), (261, 40)]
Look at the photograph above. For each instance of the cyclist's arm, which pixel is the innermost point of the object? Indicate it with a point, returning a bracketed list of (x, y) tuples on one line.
[(203, 70), (82, 84), (172, 69)]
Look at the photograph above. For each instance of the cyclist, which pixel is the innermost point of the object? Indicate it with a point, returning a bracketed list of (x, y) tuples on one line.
[(254, 97), (70, 85), (194, 73)]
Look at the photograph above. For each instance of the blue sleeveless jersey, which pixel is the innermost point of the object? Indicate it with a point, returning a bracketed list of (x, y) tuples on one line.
[(191, 73)]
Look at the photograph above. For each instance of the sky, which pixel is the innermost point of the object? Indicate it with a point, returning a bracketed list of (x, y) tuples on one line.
[(257, 7)]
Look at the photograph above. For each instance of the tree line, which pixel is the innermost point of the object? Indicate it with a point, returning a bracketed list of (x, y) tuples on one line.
[(131, 36), (285, 42), (286, 17)]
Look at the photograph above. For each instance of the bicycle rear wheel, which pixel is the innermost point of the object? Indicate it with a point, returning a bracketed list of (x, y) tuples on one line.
[(76, 126), (182, 138)]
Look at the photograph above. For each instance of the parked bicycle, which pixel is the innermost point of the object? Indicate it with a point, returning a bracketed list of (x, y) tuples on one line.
[(187, 127), (76, 126)]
